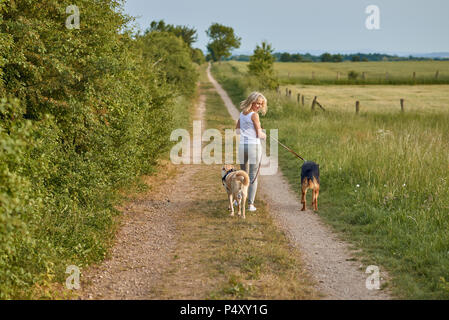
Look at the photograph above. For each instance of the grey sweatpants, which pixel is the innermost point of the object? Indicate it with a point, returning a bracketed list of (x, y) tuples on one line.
[(249, 155)]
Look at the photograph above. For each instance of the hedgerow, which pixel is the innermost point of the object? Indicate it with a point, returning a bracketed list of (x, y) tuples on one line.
[(83, 113)]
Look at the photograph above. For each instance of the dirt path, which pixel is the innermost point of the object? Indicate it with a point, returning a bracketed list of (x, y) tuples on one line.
[(142, 263), (327, 258), (177, 241), (146, 240)]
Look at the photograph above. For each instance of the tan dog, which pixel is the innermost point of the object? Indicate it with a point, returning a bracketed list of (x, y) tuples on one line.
[(236, 183)]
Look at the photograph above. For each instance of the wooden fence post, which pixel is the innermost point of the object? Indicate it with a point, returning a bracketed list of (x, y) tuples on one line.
[(363, 76), (402, 105), (313, 75), (289, 93), (302, 99), (298, 97), (414, 75), (313, 103), (437, 74), (386, 75), (357, 107), (286, 92), (338, 75), (319, 105)]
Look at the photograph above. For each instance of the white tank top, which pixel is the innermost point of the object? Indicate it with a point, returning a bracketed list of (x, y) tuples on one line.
[(247, 131)]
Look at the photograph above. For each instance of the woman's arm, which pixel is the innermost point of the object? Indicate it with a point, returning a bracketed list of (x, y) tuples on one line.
[(257, 126)]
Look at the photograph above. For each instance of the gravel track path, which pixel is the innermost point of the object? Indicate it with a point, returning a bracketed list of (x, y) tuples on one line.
[(146, 240)]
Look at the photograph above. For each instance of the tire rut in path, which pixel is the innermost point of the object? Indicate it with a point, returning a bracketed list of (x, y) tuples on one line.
[(327, 258), (146, 239)]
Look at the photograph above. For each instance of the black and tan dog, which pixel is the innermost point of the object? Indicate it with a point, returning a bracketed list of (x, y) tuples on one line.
[(236, 183), (310, 179)]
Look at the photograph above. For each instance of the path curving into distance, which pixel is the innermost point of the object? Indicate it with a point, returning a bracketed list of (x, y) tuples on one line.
[(337, 273)]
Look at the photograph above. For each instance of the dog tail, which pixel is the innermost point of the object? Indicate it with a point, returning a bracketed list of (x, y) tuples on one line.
[(243, 177)]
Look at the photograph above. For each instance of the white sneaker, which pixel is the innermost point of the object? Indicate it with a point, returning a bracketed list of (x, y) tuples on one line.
[(252, 208), (236, 203)]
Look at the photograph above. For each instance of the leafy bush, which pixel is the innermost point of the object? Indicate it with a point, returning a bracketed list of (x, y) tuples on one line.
[(85, 111), (198, 56), (15, 194), (173, 56), (353, 75), (222, 41)]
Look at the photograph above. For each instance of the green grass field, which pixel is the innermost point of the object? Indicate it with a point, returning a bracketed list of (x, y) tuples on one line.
[(399, 72), (384, 175)]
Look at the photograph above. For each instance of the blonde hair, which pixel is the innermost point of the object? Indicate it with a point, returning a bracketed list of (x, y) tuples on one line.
[(247, 104)]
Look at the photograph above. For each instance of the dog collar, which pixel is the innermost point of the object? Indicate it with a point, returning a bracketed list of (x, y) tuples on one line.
[(227, 172)]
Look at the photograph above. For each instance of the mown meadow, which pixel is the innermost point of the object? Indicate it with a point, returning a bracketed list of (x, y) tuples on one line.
[(384, 175), (384, 72), (83, 113)]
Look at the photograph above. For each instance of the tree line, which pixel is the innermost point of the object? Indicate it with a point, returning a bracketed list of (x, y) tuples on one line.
[(328, 57)]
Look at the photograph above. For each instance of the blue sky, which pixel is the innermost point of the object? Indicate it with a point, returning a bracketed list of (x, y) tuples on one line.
[(310, 26)]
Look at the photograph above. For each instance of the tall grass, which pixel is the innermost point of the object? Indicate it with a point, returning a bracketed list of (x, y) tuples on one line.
[(385, 184)]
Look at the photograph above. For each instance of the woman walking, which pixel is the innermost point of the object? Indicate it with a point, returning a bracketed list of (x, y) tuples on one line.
[(250, 149)]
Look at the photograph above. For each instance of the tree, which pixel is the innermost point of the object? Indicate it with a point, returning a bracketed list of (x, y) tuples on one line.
[(355, 58), (326, 57), (296, 57), (174, 57), (223, 40), (337, 58), (198, 56), (187, 34), (285, 57), (261, 65)]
